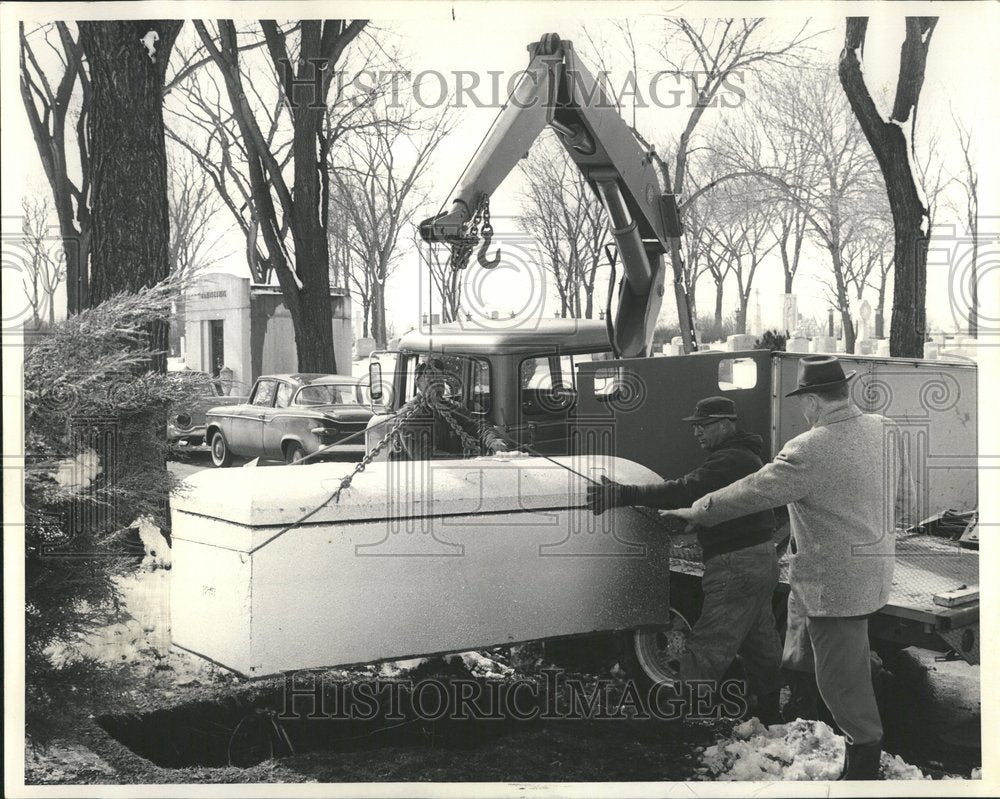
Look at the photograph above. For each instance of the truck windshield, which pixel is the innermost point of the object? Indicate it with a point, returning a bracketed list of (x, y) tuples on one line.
[(466, 379), (340, 394)]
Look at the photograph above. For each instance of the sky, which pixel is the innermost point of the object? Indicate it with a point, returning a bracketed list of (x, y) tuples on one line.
[(445, 38)]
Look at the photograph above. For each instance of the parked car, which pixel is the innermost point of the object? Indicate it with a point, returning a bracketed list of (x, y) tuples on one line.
[(288, 417), (186, 425)]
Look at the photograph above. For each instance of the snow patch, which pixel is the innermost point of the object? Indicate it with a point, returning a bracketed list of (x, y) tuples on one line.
[(157, 550), (76, 474), (149, 42), (482, 666), (801, 750), (394, 668)]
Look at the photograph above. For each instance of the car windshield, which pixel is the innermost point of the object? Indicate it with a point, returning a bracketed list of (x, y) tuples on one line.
[(338, 394)]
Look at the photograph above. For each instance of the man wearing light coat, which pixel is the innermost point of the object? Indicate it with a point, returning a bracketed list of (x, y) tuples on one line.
[(844, 482)]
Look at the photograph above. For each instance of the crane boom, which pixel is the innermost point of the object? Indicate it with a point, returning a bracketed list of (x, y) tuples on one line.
[(557, 90)]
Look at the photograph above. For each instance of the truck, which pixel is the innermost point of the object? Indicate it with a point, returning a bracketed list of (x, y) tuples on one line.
[(289, 570)]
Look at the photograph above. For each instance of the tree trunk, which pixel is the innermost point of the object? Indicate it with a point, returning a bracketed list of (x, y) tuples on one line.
[(888, 143), (378, 331), (314, 334), (130, 222), (718, 303), (974, 284), (741, 315)]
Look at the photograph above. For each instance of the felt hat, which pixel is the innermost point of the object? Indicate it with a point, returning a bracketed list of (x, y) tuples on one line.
[(819, 372)]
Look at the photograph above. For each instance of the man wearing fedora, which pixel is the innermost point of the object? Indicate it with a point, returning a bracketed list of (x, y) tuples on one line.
[(741, 565), (843, 481)]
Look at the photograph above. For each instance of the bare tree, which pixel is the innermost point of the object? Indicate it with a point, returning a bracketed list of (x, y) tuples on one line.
[(568, 223), (742, 235), (290, 215), (45, 268), (707, 56), (830, 179), (210, 134), (51, 103), (969, 181), (446, 279), (892, 149), (697, 245), (377, 174), (195, 232)]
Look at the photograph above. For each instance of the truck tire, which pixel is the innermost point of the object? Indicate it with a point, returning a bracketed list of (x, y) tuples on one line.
[(650, 655)]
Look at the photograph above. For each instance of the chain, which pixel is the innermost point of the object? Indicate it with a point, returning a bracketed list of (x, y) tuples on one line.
[(404, 413), (470, 446), (462, 249)]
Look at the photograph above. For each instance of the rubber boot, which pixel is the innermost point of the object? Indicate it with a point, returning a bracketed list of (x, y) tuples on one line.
[(803, 698), (768, 709), (862, 761)]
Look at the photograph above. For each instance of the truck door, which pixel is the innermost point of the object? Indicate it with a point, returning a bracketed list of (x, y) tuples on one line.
[(547, 395)]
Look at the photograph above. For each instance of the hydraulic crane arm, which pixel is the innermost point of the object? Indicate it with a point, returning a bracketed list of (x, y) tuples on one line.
[(557, 90)]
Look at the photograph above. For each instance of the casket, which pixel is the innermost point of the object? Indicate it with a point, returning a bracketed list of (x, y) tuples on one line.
[(270, 574)]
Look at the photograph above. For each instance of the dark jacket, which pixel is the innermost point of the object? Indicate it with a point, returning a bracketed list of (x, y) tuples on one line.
[(733, 458)]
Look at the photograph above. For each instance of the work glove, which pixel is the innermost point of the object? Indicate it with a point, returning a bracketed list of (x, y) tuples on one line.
[(608, 494)]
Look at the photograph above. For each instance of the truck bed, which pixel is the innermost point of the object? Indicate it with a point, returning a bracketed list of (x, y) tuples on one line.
[(925, 566)]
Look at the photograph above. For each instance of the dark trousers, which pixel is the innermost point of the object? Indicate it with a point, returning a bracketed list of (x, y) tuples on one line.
[(736, 618), (836, 649)]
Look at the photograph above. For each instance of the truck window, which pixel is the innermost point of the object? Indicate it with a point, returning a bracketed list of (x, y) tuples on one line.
[(467, 379), (548, 382), (737, 373), (482, 399)]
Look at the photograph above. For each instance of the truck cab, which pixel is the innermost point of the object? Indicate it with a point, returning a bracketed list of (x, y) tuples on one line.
[(520, 379)]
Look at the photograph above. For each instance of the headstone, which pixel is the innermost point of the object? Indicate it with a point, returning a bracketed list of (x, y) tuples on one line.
[(754, 326), (677, 340), (797, 344), (673, 349), (789, 312), (226, 379), (824, 344), (364, 347), (931, 350), (882, 347), (864, 347), (740, 341), (864, 321)]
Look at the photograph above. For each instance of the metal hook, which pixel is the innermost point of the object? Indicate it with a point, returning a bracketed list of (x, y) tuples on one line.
[(484, 262)]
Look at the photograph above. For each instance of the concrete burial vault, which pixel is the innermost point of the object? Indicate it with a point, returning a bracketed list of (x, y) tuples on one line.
[(415, 558)]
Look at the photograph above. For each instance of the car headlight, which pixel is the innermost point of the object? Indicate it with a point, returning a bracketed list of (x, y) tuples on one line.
[(183, 421)]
